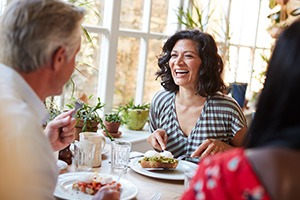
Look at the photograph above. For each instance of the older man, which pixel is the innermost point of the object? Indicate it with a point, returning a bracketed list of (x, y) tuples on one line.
[(39, 40)]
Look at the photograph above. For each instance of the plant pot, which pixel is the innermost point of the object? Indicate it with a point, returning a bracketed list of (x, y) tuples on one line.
[(112, 127), (136, 118), (91, 127)]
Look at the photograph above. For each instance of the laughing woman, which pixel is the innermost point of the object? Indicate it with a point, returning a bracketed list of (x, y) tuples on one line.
[(192, 116)]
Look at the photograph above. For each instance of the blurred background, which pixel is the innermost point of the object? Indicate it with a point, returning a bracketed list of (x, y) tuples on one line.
[(118, 57)]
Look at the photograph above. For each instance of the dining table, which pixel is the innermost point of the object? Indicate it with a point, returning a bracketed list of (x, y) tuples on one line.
[(146, 185)]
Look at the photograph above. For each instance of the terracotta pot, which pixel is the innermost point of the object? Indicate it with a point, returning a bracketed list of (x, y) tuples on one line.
[(112, 127), (91, 127)]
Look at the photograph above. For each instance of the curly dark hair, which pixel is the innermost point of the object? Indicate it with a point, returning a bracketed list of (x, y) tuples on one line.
[(210, 73)]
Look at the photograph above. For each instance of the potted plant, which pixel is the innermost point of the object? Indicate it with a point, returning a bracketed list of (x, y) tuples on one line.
[(53, 110), (88, 117), (135, 116), (112, 122)]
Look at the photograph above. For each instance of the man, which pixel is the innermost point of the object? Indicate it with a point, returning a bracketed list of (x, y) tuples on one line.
[(39, 40)]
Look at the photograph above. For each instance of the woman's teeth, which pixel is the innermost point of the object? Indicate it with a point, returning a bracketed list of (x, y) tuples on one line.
[(181, 71)]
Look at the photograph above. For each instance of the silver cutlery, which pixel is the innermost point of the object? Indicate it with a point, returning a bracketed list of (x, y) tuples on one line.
[(138, 156), (181, 157), (156, 196), (78, 105), (159, 169), (119, 177)]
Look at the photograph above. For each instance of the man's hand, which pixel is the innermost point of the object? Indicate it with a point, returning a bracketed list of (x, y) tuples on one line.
[(60, 131), (158, 139), (107, 193)]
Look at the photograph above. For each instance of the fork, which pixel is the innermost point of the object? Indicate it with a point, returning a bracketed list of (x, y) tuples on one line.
[(156, 196), (119, 177), (78, 105), (183, 157)]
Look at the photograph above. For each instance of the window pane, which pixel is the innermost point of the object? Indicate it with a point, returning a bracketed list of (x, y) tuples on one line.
[(159, 16), (243, 21), (244, 65), (85, 76), (94, 12), (259, 69), (131, 15), (230, 70), (126, 70), (264, 39), (151, 85)]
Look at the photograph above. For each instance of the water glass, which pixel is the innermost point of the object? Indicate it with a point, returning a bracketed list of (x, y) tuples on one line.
[(120, 152), (83, 155), (188, 176)]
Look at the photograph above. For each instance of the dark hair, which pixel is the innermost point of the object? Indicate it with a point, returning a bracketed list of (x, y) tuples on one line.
[(210, 73), (279, 106)]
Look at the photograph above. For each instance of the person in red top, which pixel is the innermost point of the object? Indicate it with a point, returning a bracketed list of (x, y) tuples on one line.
[(268, 168)]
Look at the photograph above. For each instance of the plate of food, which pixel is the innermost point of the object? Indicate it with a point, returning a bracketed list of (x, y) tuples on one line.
[(161, 166), (83, 185)]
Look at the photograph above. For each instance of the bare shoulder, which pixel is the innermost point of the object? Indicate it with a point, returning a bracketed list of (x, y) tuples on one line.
[(276, 167)]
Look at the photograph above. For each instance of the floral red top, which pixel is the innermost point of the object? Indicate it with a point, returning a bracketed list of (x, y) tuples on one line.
[(227, 175)]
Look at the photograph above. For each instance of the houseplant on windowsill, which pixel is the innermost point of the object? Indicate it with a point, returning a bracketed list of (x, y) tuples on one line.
[(88, 118), (135, 116), (112, 122)]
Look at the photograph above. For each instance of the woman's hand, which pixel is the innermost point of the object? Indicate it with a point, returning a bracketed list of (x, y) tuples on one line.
[(60, 131), (210, 147), (158, 139), (109, 192)]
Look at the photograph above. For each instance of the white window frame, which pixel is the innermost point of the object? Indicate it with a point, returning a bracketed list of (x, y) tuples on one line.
[(111, 33)]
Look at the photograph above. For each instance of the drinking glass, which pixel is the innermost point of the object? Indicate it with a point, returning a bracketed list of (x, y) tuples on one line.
[(83, 155), (188, 176), (120, 152)]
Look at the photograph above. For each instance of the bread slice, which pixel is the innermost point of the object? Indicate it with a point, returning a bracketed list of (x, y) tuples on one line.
[(162, 162), (156, 164)]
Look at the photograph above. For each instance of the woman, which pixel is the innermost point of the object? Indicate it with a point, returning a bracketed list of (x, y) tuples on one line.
[(269, 167), (192, 116)]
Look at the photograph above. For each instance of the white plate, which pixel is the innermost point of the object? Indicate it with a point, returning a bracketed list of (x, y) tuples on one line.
[(62, 165), (177, 174), (65, 181)]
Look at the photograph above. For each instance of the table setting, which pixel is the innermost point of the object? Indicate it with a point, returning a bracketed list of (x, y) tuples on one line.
[(135, 182)]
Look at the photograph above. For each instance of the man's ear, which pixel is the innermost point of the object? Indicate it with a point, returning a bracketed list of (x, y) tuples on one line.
[(58, 58)]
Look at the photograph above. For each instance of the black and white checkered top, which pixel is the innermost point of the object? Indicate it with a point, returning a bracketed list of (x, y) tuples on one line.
[(220, 118)]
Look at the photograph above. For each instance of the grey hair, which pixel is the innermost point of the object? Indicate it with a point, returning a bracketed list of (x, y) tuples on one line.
[(32, 30)]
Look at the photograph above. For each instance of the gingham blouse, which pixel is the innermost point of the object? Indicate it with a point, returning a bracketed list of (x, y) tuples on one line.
[(220, 118)]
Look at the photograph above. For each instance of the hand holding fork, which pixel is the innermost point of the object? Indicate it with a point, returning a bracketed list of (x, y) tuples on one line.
[(60, 131)]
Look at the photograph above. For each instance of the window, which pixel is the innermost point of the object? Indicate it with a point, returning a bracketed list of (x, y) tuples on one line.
[(120, 63)]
